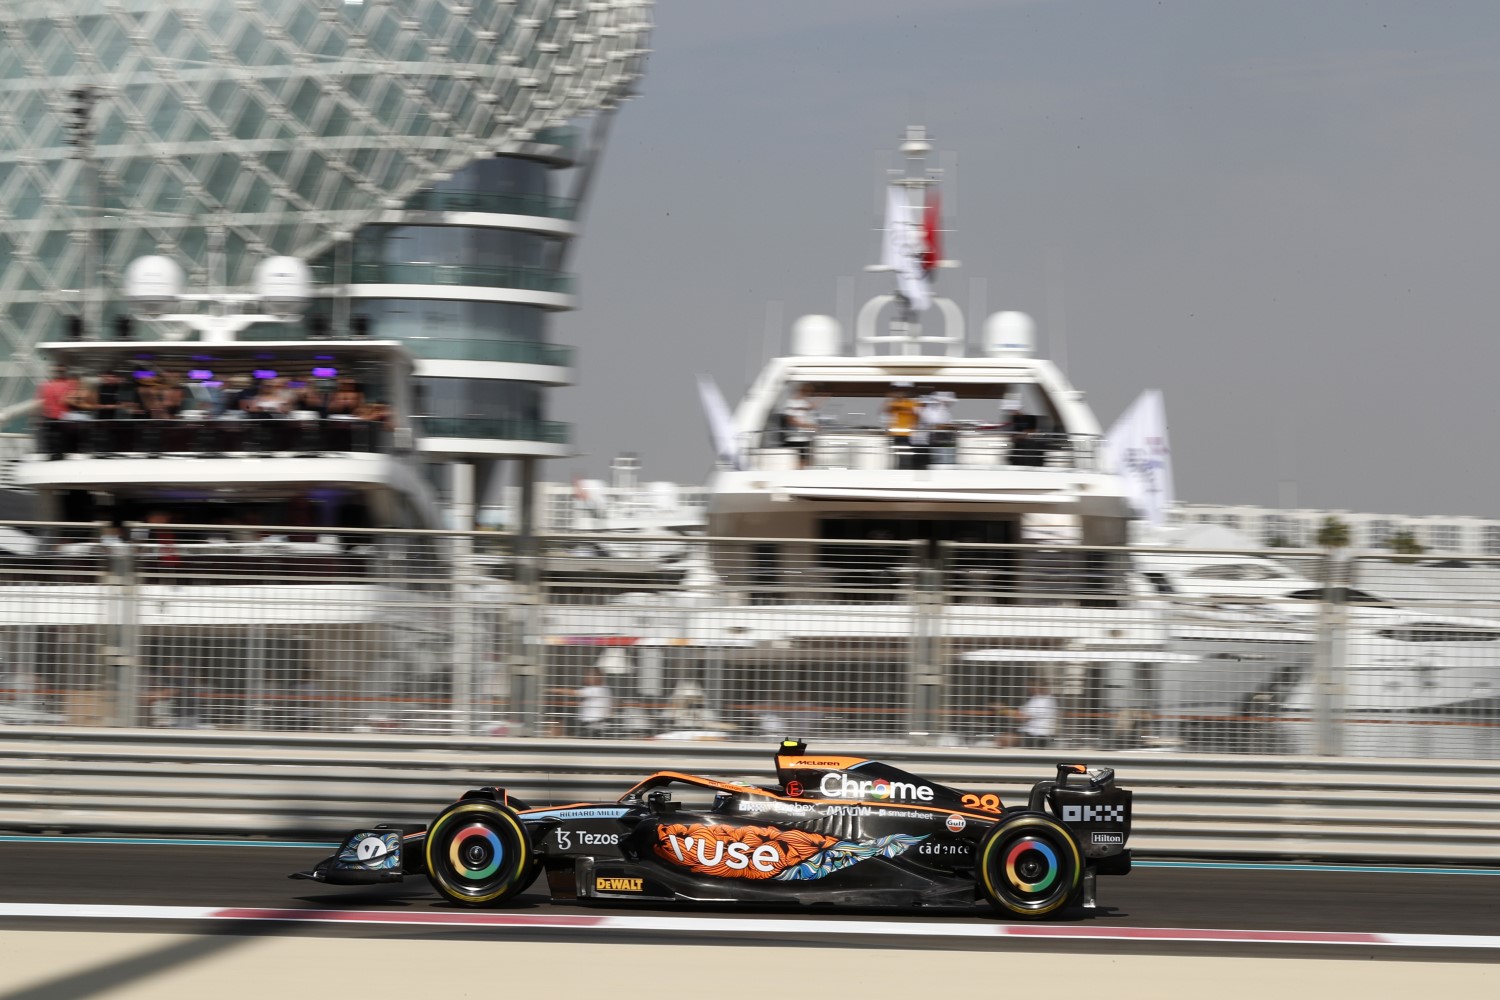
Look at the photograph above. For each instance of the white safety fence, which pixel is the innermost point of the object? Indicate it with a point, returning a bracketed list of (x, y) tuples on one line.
[(855, 637), (252, 784)]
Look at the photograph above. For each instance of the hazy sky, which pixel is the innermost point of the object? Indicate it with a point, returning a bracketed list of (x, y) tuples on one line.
[(1281, 213)]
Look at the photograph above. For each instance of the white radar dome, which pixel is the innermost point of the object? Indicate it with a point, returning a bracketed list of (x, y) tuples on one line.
[(284, 285), (1009, 334), (817, 337), (153, 285)]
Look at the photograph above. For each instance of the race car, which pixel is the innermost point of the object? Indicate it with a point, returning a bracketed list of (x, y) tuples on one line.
[(833, 830)]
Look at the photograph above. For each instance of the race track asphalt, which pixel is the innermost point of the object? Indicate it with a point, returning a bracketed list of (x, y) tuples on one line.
[(1292, 898)]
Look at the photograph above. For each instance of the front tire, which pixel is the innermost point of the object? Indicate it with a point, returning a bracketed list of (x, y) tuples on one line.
[(1029, 865), (478, 853)]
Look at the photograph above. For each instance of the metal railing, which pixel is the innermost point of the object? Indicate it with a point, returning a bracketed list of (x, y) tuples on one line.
[(524, 352), (497, 428), (872, 448), (532, 279), (943, 643), (91, 780), (221, 436), (504, 204)]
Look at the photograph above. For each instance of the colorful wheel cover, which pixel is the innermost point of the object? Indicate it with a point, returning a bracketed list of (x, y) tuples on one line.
[(476, 852), (1031, 865)]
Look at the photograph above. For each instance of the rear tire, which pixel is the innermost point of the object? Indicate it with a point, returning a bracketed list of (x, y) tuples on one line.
[(478, 853), (1029, 865)]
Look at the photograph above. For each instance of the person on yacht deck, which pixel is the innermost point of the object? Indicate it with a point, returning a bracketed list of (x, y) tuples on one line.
[(900, 422), (937, 421), (799, 423)]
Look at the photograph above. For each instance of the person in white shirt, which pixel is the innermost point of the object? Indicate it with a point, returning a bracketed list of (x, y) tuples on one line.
[(936, 419), (1036, 721), (799, 423), (1039, 719), (595, 703)]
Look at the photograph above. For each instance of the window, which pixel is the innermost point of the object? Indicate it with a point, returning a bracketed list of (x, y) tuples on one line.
[(1443, 537), (1492, 539)]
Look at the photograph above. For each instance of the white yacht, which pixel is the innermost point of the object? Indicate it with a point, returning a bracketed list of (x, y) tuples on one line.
[(1252, 623), (824, 537), (257, 625)]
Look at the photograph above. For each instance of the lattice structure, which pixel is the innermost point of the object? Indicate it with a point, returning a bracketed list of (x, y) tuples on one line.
[(225, 130)]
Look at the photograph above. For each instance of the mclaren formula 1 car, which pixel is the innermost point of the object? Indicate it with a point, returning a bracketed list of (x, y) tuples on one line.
[(834, 830)]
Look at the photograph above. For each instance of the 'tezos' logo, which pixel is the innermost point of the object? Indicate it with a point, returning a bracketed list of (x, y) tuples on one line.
[(583, 838), (1102, 839), (1093, 814), (754, 852), (841, 786), (618, 884)]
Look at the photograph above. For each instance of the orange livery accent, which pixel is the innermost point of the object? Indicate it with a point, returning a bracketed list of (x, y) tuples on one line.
[(825, 763), (752, 852)]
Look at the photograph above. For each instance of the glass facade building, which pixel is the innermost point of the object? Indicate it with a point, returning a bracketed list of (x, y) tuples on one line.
[(426, 157)]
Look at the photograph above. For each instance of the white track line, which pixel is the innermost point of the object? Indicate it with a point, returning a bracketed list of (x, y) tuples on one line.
[(737, 926)]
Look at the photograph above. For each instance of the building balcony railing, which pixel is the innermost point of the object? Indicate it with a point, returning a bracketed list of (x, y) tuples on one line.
[(532, 279), (497, 204), (213, 437), (495, 428), (516, 351)]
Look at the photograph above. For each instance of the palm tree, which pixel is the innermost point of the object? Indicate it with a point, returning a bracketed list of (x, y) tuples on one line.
[(1404, 543), (1333, 533)]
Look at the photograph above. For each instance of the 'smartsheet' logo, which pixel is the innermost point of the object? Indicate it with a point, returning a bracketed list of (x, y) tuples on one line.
[(618, 884), (841, 786), (1093, 814)]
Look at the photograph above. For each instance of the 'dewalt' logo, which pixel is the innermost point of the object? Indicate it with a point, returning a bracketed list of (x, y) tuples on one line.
[(618, 884), (755, 852)]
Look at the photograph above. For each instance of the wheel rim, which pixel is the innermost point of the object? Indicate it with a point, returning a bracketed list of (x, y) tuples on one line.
[(476, 853), (1031, 866)]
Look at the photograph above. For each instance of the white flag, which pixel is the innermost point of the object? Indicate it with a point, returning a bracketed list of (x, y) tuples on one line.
[(720, 423), (903, 246), (1136, 449)]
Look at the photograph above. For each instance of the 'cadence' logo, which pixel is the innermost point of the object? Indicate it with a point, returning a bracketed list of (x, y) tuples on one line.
[(841, 786)]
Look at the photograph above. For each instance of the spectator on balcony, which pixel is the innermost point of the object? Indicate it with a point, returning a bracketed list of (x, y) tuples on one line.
[(900, 422), (346, 399), (310, 400), (799, 423), (153, 397), (80, 403), (53, 394), (936, 420), (172, 396), (376, 413), (114, 397), (271, 399)]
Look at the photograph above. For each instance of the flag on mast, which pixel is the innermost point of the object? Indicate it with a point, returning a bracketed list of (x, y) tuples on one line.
[(720, 423), (903, 249), (1137, 450), (932, 249)]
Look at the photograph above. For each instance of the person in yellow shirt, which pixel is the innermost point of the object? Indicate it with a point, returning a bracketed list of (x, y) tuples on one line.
[(900, 422)]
